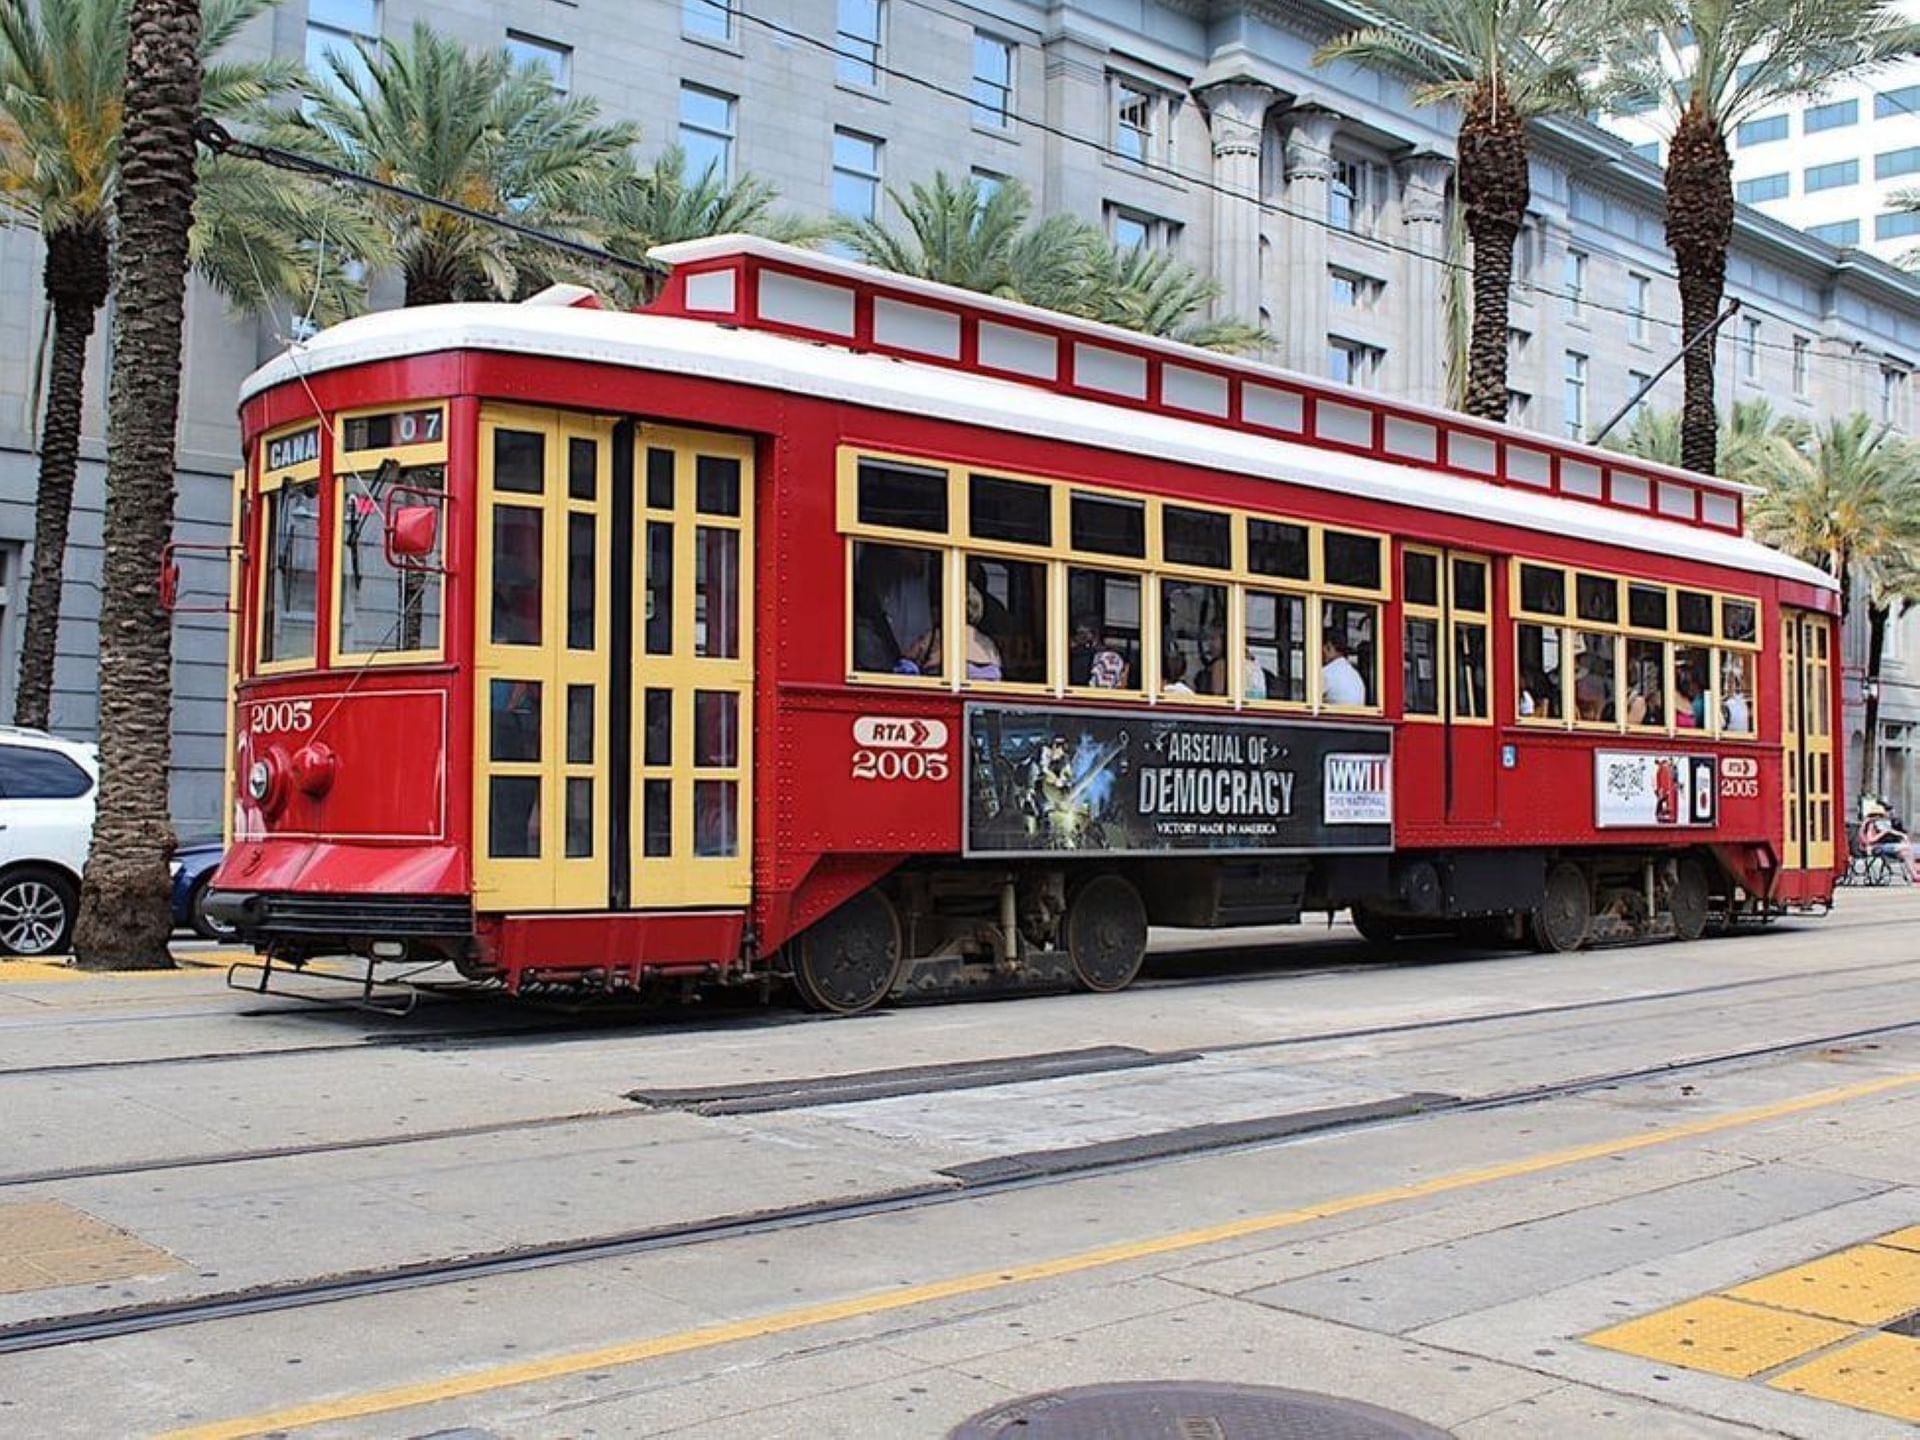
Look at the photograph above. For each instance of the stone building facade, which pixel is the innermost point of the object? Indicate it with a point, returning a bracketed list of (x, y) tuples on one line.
[(1319, 198)]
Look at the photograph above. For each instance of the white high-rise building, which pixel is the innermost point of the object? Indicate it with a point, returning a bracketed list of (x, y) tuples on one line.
[(1832, 164)]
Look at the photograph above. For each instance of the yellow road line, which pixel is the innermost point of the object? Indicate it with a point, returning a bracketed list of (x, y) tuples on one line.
[(780, 1322)]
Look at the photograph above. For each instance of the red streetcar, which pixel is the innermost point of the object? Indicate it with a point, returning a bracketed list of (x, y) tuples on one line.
[(826, 623)]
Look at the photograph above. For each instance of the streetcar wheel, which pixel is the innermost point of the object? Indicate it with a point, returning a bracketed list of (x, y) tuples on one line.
[(848, 961), (1373, 927), (1106, 934), (1687, 900), (1560, 921)]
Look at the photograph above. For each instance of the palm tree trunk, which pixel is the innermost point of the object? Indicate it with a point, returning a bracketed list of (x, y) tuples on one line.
[(76, 277), (1877, 616), (1699, 230), (124, 915), (1495, 191)]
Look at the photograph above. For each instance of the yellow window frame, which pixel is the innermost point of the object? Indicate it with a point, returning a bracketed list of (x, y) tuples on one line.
[(271, 482), (1442, 655)]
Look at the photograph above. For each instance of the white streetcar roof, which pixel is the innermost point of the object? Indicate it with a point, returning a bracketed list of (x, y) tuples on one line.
[(748, 357)]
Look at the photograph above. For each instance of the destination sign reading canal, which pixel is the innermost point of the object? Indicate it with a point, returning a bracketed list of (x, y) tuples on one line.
[(298, 448), (1137, 783)]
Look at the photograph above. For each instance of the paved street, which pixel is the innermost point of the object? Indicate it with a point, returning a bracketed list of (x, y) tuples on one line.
[(1510, 1195)]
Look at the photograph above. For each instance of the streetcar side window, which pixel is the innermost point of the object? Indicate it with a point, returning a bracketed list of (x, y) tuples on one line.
[(1736, 692), (1104, 525), (1692, 687), (1012, 510), (1595, 681), (1646, 684), (903, 497), (1647, 607), (1597, 598), (1193, 638), (1420, 651), (291, 621), (1540, 680), (1543, 591), (1349, 658), (1739, 621), (1103, 610), (1197, 537), (1276, 659), (1006, 634), (1695, 613), (1279, 549), (1420, 579), (1351, 561), (519, 541), (898, 594)]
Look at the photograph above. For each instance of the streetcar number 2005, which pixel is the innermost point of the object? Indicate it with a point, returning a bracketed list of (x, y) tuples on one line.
[(899, 765), (267, 716)]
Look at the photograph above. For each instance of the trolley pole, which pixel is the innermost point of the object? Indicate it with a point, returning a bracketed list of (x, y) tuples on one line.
[(1733, 309)]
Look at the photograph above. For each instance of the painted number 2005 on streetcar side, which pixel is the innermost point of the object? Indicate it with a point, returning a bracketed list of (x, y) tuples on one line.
[(895, 748)]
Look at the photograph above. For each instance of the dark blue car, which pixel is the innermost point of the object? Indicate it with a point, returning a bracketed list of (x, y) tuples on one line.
[(194, 862)]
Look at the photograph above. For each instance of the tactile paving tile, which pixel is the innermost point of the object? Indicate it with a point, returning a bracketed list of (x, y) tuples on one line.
[(1881, 1373), (45, 1244), (1867, 1285), (1722, 1337), (1907, 1239)]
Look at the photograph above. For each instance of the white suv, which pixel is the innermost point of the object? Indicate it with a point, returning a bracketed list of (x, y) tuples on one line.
[(47, 791)]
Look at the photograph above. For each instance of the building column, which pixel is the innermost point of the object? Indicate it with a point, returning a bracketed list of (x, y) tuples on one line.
[(1236, 123), (1309, 173), (1423, 282)]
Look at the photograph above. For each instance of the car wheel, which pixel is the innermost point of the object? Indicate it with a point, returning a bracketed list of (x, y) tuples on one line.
[(204, 925), (37, 910)]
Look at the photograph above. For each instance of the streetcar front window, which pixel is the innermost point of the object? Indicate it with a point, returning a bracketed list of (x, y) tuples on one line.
[(290, 625), (387, 608)]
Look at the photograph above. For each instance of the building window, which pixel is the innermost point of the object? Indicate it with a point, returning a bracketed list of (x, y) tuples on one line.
[(1357, 192), (1893, 394), (1801, 350), (992, 81), (1526, 259), (556, 60), (1893, 104), (707, 19), (1830, 117), (1519, 408), (1636, 382), (856, 175), (1574, 284), (1639, 293), (1346, 290), (989, 182), (1750, 348), (1763, 187), (1895, 224), (1831, 177), (1134, 230), (857, 42), (1890, 163), (706, 131), (1142, 121), (1350, 362), (1646, 150), (332, 27), (1575, 403), (1518, 343), (1837, 232), (1760, 132)]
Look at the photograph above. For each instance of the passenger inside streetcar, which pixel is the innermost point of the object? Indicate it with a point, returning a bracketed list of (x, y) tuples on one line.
[(1539, 695), (1104, 607), (1736, 710), (1646, 688), (1346, 653), (896, 594)]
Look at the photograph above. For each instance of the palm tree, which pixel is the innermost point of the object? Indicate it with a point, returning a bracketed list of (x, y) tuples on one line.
[(640, 209), (1748, 441), (1846, 497), (466, 126), (125, 919), (62, 67), (1711, 65), (979, 237), (1503, 62)]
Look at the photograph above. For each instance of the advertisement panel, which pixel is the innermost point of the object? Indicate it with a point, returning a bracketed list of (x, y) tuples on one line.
[(1651, 789), (1135, 783)]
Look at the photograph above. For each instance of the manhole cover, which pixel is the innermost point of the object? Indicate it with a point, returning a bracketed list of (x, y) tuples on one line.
[(1177, 1410)]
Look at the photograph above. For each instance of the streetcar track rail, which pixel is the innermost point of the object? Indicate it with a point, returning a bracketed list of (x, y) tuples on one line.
[(809, 1092), (97, 1325)]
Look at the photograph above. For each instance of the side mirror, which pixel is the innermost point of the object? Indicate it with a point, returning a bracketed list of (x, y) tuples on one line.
[(413, 531)]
